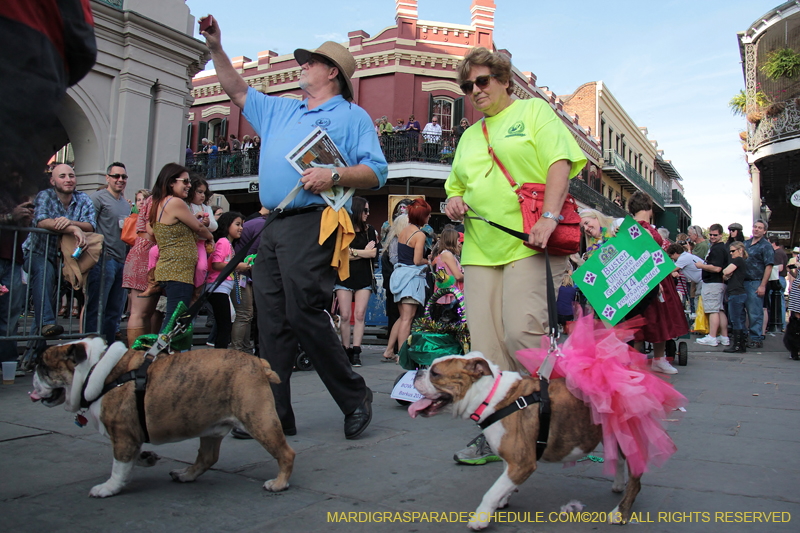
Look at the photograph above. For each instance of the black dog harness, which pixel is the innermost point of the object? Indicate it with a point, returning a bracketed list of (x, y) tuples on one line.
[(139, 376), (542, 397)]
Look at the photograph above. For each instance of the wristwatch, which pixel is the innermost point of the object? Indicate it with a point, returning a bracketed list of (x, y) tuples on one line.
[(335, 177), (551, 216)]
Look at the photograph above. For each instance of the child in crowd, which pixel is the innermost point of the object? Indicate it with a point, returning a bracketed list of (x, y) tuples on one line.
[(446, 258), (566, 295), (228, 232), (198, 200)]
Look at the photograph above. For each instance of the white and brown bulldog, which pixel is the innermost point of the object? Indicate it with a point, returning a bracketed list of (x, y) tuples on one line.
[(465, 382), (188, 395)]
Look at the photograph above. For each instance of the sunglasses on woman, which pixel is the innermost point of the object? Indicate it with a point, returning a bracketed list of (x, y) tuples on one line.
[(185, 181), (481, 81)]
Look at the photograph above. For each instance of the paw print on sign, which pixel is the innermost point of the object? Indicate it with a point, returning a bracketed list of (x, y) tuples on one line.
[(658, 257), (609, 312), (635, 231), (590, 278)]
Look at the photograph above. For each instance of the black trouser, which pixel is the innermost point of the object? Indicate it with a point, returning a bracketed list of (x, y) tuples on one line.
[(392, 311), (221, 306), (292, 286)]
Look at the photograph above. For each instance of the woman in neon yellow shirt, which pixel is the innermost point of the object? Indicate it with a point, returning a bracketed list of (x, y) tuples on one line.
[(504, 281)]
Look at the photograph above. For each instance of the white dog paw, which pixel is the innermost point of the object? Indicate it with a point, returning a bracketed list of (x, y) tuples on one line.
[(273, 485), (618, 487), (104, 490), (475, 525)]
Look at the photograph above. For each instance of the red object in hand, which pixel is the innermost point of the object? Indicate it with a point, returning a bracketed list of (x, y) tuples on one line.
[(205, 24)]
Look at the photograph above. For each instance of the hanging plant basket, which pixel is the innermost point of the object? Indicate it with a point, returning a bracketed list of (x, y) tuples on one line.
[(743, 135), (738, 104), (754, 117), (782, 63), (775, 109), (744, 147)]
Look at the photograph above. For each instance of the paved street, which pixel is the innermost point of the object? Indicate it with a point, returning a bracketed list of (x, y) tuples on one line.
[(736, 453)]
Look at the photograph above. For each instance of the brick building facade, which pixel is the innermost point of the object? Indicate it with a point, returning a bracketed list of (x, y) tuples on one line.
[(406, 68)]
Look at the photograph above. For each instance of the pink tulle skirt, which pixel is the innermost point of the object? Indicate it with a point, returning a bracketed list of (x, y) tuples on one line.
[(615, 381)]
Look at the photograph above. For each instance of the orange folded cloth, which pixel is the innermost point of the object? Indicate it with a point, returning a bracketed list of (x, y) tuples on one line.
[(338, 221)]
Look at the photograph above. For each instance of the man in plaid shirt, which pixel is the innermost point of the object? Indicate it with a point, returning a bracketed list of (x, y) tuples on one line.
[(61, 209)]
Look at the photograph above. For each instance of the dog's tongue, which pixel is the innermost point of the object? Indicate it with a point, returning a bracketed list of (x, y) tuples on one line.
[(417, 406), (35, 396)]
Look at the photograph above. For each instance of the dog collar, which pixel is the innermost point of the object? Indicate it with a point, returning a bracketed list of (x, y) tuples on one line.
[(476, 416)]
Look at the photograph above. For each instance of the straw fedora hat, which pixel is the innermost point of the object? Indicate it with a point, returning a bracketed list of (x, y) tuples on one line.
[(336, 54)]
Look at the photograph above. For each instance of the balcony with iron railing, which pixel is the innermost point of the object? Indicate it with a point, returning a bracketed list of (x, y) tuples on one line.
[(397, 148), (403, 147), (225, 165), (780, 122), (584, 193), (680, 199), (618, 168)]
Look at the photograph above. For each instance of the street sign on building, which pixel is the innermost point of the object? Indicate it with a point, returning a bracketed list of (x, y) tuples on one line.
[(796, 199), (780, 234)]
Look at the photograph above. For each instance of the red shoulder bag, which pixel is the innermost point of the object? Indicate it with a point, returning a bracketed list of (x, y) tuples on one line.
[(565, 239)]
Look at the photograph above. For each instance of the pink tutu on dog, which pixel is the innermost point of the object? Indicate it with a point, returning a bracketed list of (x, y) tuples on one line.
[(615, 381)]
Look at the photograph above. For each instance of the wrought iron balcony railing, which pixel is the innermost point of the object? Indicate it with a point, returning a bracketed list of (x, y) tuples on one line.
[(785, 125), (225, 165), (397, 148), (616, 163), (403, 146), (678, 198), (584, 193)]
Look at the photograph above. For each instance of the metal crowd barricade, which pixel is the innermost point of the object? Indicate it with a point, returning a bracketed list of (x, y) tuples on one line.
[(26, 327)]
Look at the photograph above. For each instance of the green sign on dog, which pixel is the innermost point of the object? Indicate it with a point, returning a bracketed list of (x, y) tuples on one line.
[(623, 271)]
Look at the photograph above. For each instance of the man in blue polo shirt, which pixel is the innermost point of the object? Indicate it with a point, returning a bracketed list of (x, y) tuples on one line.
[(292, 277)]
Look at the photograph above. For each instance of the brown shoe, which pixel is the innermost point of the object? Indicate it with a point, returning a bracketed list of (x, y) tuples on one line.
[(153, 289)]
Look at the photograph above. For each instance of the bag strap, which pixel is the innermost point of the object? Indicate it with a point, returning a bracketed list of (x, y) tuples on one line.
[(500, 165)]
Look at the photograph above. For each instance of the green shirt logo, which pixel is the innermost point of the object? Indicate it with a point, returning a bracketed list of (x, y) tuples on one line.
[(517, 130)]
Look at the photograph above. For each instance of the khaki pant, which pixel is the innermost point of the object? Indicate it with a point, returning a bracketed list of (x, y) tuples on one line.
[(240, 332), (507, 306)]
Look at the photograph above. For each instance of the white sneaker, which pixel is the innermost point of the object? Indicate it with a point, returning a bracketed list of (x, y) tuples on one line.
[(725, 341), (708, 340), (663, 366)]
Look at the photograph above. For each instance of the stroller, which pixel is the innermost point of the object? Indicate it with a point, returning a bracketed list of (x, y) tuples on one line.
[(442, 330)]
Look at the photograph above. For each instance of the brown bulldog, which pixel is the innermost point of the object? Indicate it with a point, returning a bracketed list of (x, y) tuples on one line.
[(465, 382), (188, 395)]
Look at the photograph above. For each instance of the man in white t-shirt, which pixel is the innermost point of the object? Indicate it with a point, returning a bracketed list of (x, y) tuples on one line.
[(432, 135)]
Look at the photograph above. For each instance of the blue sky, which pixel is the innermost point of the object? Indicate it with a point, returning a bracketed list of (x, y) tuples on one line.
[(673, 65)]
